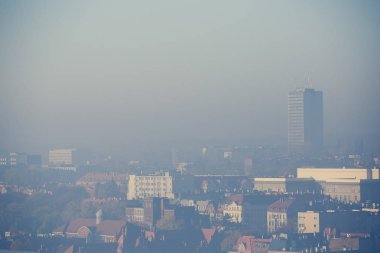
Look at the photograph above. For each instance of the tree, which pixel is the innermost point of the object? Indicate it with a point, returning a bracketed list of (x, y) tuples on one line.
[(230, 239), (107, 190)]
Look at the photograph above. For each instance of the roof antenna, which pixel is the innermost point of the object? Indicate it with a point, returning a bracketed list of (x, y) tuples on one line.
[(309, 82)]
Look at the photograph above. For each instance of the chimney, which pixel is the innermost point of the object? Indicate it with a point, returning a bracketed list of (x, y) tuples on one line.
[(99, 215)]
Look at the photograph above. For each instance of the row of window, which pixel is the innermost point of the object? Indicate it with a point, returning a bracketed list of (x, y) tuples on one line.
[(276, 224), (277, 216), (152, 184), (151, 178)]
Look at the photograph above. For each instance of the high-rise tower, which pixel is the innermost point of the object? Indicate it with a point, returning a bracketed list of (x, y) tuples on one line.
[(305, 119)]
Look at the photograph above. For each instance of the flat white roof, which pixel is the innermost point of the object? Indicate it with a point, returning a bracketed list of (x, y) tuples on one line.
[(343, 168), (269, 179), (342, 180)]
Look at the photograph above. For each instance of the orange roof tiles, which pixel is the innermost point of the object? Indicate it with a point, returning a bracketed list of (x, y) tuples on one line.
[(105, 227), (281, 205), (208, 233)]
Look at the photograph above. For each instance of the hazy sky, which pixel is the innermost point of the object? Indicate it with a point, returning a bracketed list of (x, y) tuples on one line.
[(110, 74)]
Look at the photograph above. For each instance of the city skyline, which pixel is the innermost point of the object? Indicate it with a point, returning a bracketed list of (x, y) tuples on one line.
[(193, 127)]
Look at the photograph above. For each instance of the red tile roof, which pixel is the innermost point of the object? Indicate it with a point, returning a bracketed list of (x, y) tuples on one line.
[(237, 198), (70, 249), (281, 205), (339, 244), (110, 227), (105, 227), (208, 233), (252, 244)]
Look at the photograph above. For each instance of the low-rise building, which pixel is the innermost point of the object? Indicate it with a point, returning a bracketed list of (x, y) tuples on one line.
[(342, 184), (278, 214), (269, 184), (187, 202), (326, 174), (201, 206), (344, 190), (308, 222), (134, 214), (250, 244), (233, 212), (290, 185), (107, 231)]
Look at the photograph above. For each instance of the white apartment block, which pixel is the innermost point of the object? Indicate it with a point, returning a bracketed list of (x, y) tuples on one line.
[(59, 157), (140, 187)]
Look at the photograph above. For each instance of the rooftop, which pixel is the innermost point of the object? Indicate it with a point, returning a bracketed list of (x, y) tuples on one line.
[(281, 205)]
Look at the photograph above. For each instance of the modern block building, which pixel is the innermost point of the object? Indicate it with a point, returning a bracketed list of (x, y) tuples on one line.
[(325, 174), (305, 119), (3, 160), (17, 159), (349, 185), (343, 184), (14, 159), (140, 187), (61, 157)]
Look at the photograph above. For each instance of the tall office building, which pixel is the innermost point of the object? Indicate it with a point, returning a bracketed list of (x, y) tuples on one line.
[(305, 119)]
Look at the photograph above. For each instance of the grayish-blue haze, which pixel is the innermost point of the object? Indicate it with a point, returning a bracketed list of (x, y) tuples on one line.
[(114, 75)]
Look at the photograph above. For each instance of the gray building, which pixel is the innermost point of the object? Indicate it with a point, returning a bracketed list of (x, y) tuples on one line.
[(305, 119)]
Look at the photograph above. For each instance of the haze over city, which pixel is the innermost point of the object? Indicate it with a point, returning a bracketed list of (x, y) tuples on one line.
[(122, 78), (192, 127)]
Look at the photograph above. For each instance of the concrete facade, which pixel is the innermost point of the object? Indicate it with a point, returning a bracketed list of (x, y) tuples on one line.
[(323, 174), (61, 157), (308, 222), (342, 184), (140, 187)]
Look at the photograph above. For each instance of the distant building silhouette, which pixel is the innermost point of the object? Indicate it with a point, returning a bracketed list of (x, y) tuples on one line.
[(305, 119)]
